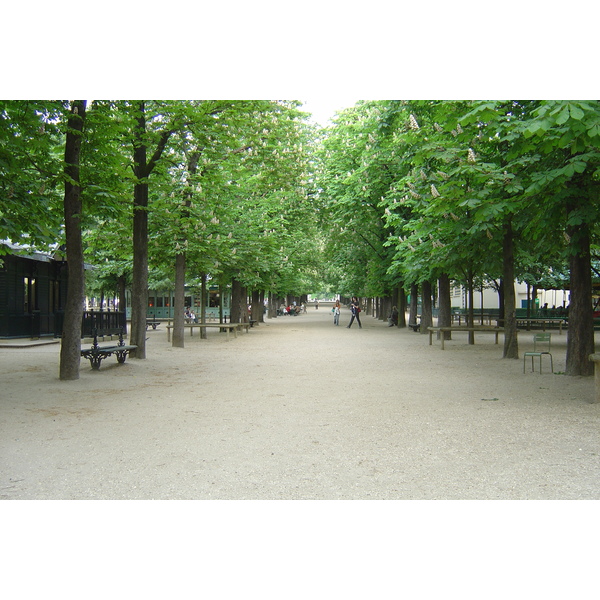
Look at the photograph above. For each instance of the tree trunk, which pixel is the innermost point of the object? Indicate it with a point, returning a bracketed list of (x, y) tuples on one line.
[(445, 305), (580, 340), (236, 301), (203, 301), (244, 317), (470, 309), (511, 345), (414, 303), (261, 302), (501, 303), (122, 287), (221, 301), (179, 302), (426, 312), (70, 349), (142, 169), (401, 307), (139, 284), (255, 305)]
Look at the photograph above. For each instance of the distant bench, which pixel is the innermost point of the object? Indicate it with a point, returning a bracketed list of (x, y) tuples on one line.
[(548, 322), (226, 326), (439, 330), (96, 354), (416, 326)]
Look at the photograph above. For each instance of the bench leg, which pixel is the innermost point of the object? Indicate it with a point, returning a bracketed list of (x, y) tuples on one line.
[(95, 361), (597, 382), (121, 355)]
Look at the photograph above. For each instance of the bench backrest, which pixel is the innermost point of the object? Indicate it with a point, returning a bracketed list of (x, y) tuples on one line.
[(541, 339)]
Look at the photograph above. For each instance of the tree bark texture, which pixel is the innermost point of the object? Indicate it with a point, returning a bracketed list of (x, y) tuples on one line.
[(426, 312), (580, 340), (179, 302), (445, 305), (414, 303), (203, 301), (70, 349), (255, 305), (236, 300), (470, 308), (511, 345), (139, 284)]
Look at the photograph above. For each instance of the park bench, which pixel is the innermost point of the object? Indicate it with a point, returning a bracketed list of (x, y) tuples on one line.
[(441, 330), (543, 323), (417, 325), (96, 354), (224, 326)]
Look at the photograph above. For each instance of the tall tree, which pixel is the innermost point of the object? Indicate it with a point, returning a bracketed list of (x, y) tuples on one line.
[(70, 350), (142, 168)]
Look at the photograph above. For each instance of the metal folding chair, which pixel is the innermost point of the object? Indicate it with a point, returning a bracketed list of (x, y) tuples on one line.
[(540, 340)]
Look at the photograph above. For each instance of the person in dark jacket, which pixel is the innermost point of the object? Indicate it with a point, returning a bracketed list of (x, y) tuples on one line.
[(355, 308)]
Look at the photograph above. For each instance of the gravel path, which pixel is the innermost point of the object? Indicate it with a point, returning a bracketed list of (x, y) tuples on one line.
[(299, 409)]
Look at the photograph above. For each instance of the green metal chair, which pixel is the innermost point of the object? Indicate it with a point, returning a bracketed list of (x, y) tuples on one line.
[(540, 340)]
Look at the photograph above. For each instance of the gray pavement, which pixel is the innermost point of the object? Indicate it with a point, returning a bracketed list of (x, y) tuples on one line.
[(299, 409)]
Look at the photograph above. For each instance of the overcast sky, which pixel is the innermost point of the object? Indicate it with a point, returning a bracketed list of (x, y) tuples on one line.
[(323, 109)]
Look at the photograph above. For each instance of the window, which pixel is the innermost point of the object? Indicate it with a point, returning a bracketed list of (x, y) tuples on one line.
[(29, 301)]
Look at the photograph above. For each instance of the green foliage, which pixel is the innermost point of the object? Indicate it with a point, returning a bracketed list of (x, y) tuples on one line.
[(31, 171)]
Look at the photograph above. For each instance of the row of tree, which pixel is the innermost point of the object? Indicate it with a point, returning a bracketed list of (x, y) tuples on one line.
[(426, 192), (192, 189), (395, 197)]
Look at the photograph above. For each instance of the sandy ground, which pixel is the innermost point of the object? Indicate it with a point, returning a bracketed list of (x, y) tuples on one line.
[(299, 409)]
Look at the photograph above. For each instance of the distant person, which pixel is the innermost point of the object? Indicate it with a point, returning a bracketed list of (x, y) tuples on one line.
[(393, 318), (336, 313), (355, 308), (316, 304)]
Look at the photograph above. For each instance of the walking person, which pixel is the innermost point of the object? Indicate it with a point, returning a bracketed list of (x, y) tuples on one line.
[(355, 308), (336, 313)]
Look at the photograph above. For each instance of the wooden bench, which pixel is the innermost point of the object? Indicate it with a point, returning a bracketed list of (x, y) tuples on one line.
[(96, 354), (439, 330), (225, 326), (595, 358), (543, 322)]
